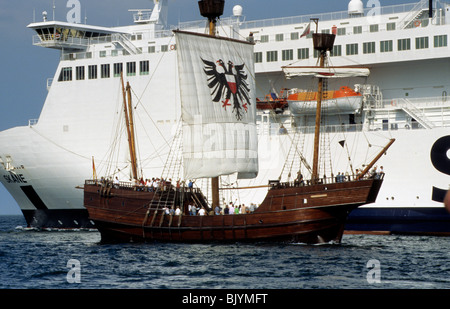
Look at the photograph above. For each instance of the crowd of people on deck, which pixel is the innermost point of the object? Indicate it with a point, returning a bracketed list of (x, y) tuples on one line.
[(194, 210), (376, 173), (154, 184)]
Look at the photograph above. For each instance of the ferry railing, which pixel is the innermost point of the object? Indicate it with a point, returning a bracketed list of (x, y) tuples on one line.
[(281, 21), (426, 102)]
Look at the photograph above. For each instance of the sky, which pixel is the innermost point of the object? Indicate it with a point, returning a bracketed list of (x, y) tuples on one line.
[(25, 68)]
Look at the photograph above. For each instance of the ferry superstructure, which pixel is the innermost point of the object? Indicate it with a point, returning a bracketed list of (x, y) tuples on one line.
[(406, 98)]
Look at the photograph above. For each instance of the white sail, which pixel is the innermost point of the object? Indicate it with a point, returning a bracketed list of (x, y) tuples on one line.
[(218, 106), (326, 72)]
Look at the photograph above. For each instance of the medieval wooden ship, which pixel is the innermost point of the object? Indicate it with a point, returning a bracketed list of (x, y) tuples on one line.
[(308, 211)]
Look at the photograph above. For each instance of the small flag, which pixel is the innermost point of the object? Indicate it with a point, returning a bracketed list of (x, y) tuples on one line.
[(307, 30)]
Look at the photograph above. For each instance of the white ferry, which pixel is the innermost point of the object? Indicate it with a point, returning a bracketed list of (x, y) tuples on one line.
[(406, 97)]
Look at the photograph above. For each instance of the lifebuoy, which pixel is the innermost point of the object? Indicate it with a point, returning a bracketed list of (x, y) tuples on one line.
[(172, 47), (417, 23)]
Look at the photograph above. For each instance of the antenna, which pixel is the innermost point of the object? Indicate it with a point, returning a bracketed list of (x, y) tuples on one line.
[(54, 7)]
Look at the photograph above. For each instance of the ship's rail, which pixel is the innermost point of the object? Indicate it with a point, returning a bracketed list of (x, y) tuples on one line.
[(126, 185), (277, 184)]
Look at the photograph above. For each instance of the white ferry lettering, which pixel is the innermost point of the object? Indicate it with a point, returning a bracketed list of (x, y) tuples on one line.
[(440, 159), (14, 178)]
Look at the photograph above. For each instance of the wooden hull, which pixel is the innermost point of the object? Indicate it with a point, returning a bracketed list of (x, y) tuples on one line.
[(307, 214)]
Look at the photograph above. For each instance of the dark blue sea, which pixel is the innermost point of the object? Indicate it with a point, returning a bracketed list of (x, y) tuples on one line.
[(31, 259)]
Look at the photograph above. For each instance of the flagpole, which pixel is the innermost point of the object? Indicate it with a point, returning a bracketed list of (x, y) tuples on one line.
[(212, 9)]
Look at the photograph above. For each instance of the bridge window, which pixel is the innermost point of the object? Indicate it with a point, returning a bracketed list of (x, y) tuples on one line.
[(105, 71), (272, 56), (144, 67), (65, 75), (92, 72), (352, 49), (131, 68), (440, 40), (118, 68), (422, 43), (80, 73), (386, 46), (404, 44)]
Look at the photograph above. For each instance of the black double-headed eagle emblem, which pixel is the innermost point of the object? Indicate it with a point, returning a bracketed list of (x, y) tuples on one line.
[(228, 84)]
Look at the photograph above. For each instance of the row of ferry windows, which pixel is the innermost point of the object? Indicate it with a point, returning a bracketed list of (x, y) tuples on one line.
[(105, 71), (353, 49)]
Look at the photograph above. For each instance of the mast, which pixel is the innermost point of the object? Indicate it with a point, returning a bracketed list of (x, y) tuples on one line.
[(212, 9), (129, 125), (323, 42)]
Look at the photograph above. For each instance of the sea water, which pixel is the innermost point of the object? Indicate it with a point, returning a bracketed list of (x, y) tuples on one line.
[(76, 259)]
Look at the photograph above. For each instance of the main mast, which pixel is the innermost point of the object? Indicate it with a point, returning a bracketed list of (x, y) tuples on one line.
[(129, 126), (212, 9), (323, 42)]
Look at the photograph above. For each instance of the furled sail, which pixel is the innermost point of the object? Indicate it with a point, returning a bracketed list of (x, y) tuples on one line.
[(218, 103), (326, 72)]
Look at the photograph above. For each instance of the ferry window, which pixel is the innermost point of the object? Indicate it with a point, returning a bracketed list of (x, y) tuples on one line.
[(294, 36), (105, 71), (114, 53), (92, 72), (272, 56), (80, 73), (258, 57), (164, 48), (337, 51), (144, 67), (352, 49), (386, 46), (118, 68), (152, 49), (422, 43), (102, 53), (303, 53), (131, 68), (390, 26), (373, 28), (287, 54), (369, 48), (65, 75), (264, 38), (279, 37), (404, 44), (341, 31), (440, 40), (357, 29)]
